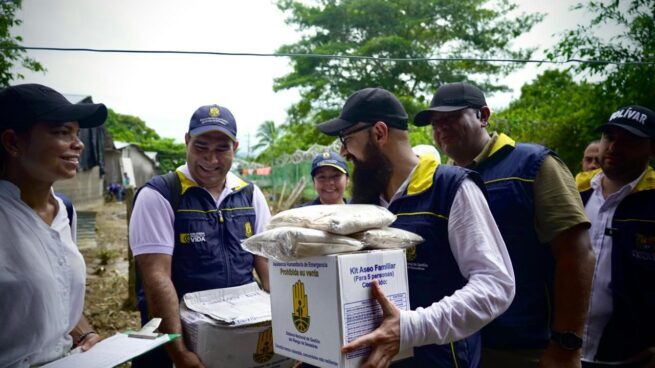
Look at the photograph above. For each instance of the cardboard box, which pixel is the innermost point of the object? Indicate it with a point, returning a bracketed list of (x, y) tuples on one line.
[(318, 304), (219, 331), (247, 347)]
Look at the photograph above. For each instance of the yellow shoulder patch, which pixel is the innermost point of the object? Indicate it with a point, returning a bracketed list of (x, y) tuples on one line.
[(647, 182), (583, 179), (185, 182), (240, 183), (502, 141), (423, 175)]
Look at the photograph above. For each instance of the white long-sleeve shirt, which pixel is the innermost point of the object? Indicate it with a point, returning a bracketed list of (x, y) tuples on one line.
[(42, 280), (600, 211), (480, 253)]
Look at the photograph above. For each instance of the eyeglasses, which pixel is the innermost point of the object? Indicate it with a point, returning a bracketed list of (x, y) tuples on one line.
[(343, 136)]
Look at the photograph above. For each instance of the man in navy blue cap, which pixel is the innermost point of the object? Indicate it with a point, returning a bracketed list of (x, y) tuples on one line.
[(330, 177), (187, 226), (620, 202)]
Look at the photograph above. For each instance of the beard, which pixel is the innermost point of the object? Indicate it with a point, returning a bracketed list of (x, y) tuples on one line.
[(371, 175)]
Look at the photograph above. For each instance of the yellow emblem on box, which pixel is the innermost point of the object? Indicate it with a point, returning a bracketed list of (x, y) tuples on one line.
[(300, 315), (264, 351)]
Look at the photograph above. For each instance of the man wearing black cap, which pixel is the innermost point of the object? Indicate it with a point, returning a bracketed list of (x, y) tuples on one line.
[(186, 229), (461, 277), (532, 196), (620, 202), (42, 273)]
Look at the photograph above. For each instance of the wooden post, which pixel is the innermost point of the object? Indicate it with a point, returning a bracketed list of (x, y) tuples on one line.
[(130, 303)]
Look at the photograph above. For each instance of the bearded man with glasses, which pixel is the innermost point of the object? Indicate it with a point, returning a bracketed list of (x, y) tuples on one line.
[(461, 277)]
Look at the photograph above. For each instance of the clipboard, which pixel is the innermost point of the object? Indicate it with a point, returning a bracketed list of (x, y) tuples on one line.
[(117, 349)]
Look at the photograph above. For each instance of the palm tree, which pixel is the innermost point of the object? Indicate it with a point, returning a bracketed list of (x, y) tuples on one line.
[(267, 133)]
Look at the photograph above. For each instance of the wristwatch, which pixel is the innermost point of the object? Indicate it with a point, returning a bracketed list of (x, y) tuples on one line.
[(568, 340)]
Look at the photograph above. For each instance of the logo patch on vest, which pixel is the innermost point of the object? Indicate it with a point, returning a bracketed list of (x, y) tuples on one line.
[(300, 315), (264, 351), (644, 247), (248, 229), (186, 238)]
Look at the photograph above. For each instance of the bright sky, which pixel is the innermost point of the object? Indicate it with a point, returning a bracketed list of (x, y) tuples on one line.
[(164, 90)]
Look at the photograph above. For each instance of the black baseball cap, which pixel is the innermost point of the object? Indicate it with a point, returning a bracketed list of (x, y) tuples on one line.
[(25, 104), (636, 119), (452, 97), (368, 105), (213, 118)]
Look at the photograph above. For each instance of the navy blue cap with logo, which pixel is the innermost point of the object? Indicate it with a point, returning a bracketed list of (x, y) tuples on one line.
[(213, 118), (329, 158), (636, 119)]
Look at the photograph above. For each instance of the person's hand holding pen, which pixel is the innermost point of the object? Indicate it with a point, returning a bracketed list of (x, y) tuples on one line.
[(385, 340)]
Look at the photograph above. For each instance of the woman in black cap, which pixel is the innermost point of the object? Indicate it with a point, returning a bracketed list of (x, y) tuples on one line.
[(42, 274)]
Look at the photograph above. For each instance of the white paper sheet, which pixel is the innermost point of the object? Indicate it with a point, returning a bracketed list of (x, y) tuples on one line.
[(236, 306), (109, 352)]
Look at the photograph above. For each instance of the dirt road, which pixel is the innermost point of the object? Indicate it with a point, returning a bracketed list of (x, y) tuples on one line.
[(106, 283)]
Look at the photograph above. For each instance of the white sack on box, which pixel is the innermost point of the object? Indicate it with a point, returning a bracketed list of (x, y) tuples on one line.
[(341, 219), (288, 243), (388, 238)]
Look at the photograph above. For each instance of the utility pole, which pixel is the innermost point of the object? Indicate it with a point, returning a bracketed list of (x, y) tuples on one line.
[(248, 140)]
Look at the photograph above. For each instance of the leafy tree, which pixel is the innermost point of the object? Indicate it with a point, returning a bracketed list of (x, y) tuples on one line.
[(634, 42), (391, 29), (132, 129), (557, 112), (128, 128), (10, 50)]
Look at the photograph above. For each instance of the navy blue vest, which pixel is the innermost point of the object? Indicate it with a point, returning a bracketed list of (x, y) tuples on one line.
[(509, 173), (631, 328), (208, 253), (432, 270)]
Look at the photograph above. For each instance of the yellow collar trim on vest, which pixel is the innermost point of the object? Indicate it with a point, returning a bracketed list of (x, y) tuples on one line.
[(502, 141), (240, 183), (185, 182), (423, 175), (583, 179), (647, 182)]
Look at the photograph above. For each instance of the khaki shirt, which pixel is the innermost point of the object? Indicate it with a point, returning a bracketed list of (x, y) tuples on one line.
[(557, 202)]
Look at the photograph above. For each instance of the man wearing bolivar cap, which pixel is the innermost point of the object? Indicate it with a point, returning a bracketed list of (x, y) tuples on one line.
[(186, 229), (620, 202)]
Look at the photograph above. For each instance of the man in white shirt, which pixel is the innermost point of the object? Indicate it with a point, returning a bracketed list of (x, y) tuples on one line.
[(186, 229), (620, 202), (461, 277)]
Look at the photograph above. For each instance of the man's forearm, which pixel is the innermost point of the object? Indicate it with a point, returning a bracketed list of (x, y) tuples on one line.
[(163, 303), (574, 270), (261, 266)]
